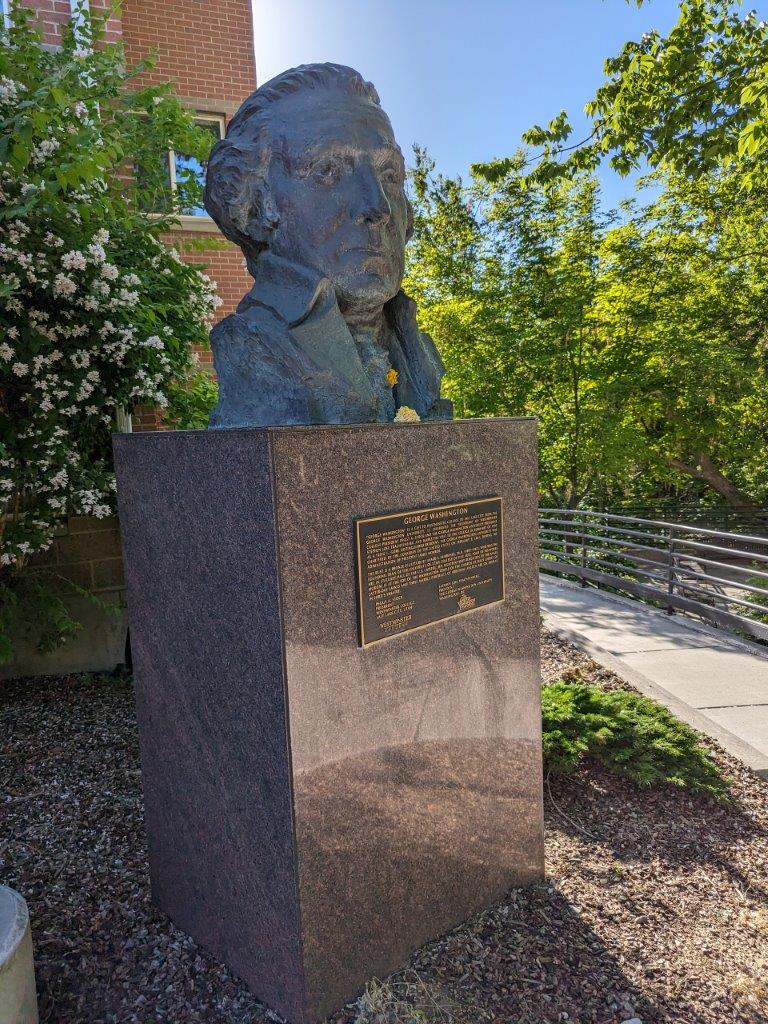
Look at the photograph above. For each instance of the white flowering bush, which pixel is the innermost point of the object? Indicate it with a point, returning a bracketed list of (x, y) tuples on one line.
[(97, 314)]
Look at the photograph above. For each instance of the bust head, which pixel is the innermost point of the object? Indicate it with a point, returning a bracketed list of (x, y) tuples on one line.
[(310, 169)]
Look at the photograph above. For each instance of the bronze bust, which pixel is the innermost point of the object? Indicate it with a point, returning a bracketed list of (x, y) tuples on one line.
[(310, 183)]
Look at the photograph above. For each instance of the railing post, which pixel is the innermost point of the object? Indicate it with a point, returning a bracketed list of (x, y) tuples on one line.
[(583, 580), (670, 568)]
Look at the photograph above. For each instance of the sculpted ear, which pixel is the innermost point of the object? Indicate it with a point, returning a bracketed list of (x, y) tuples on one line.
[(237, 196), (409, 221), (255, 213)]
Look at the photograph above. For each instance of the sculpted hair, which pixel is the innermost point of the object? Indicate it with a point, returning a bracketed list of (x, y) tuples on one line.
[(235, 193)]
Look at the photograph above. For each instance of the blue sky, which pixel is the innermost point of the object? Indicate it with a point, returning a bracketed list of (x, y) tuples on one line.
[(463, 77)]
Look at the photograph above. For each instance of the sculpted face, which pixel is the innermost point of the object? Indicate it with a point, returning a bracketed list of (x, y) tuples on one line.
[(337, 182)]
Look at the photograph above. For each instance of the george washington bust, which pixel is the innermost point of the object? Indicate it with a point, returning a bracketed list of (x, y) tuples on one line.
[(310, 183)]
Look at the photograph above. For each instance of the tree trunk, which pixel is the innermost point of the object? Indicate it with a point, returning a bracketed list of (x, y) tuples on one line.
[(706, 470)]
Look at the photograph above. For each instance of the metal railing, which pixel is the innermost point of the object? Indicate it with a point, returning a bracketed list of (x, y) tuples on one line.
[(718, 576)]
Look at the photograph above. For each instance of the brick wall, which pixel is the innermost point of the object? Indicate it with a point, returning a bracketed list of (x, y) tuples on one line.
[(205, 46), (52, 15)]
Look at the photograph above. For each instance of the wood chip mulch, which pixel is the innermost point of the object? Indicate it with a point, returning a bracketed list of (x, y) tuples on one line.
[(655, 907)]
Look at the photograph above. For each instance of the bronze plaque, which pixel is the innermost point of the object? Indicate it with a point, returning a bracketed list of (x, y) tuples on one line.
[(419, 567)]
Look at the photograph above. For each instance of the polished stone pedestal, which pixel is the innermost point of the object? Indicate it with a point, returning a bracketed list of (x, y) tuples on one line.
[(317, 810)]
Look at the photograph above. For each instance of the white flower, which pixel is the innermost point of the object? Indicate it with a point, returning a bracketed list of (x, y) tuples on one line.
[(109, 271), (9, 90), (20, 369), (74, 260), (96, 249), (6, 352), (64, 285), (81, 358), (44, 149)]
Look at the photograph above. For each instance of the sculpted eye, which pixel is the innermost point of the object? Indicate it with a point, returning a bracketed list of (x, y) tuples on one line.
[(392, 175), (327, 171)]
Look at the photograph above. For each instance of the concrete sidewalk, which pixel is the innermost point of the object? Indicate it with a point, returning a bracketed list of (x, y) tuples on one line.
[(716, 683)]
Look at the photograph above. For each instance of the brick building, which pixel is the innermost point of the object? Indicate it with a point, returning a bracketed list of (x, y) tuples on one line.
[(206, 48)]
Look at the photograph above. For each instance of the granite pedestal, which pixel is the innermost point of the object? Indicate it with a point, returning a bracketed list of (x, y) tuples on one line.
[(316, 810)]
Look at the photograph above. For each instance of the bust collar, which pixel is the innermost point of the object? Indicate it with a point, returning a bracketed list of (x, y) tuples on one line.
[(290, 289)]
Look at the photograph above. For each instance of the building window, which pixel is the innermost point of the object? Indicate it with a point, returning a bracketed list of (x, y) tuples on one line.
[(180, 165), (163, 181)]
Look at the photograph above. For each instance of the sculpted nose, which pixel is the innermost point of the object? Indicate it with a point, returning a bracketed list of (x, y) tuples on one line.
[(372, 205)]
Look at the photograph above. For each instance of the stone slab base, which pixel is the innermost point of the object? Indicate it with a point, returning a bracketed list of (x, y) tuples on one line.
[(317, 809)]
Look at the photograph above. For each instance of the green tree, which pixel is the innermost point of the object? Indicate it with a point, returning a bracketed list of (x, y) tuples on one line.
[(685, 280), (691, 102), (508, 275), (640, 345)]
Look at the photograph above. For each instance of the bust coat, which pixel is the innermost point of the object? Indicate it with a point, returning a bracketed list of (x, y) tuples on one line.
[(287, 356)]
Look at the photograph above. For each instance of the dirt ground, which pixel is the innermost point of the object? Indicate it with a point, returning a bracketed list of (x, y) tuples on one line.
[(655, 906)]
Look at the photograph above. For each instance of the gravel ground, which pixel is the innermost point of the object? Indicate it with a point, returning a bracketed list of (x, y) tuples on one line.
[(655, 906)]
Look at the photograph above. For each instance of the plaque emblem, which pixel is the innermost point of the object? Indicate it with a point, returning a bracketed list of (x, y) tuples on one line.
[(419, 567)]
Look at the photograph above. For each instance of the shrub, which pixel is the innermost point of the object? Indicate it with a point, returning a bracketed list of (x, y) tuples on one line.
[(627, 733), (96, 313), (190, 402)]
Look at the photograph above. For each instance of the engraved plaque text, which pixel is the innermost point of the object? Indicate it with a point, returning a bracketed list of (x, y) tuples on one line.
[(419, 567)]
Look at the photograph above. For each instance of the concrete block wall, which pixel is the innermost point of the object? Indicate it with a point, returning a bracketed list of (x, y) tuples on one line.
[(86, 552)]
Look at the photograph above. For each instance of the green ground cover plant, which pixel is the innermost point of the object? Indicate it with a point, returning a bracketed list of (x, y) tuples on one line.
[(627, 733)]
